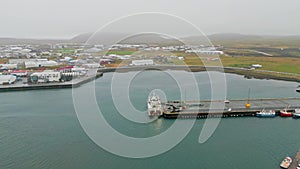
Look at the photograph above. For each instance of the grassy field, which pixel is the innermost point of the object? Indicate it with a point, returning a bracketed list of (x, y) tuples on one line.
[(66, 50), (278, 64), (122, 52)]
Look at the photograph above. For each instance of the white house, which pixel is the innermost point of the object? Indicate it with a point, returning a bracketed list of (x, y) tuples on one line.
[(181, 58), (256, 66), (66, 59), (142, 62), (48, 63), (31, 64)]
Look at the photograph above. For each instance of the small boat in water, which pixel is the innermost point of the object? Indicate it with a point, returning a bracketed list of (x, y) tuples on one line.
[(285, 113), (298, 89), (296, 113), (286, 162), (265, 113)]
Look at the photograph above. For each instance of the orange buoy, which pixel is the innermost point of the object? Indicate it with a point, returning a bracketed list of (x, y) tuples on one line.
[(248, 105)]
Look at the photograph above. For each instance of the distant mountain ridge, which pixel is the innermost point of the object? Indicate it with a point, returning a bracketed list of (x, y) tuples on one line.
[(16, 41), (111, 38)]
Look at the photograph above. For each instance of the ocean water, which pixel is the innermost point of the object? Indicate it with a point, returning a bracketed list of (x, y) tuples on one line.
[(40, 129)]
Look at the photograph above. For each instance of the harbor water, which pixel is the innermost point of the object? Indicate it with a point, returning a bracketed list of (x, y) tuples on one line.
[(40, 129)]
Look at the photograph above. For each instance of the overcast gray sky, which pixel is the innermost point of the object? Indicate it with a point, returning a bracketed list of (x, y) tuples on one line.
[(67, 18)]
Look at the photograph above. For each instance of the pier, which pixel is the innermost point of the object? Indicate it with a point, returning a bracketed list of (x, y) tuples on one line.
[(233, 108), (295, 161)]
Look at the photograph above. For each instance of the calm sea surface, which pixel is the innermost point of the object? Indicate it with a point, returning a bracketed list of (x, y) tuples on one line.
[(40, 129)]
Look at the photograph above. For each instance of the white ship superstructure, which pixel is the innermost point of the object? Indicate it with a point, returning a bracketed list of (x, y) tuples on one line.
[(154, 105)]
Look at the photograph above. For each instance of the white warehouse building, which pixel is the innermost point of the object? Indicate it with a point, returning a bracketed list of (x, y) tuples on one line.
[(7, 79), (40, 63), (9, 66), (142, 62), (46, 76)]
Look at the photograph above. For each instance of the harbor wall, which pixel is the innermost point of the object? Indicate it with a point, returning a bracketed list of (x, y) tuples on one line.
[(71, 84), (248, 73)]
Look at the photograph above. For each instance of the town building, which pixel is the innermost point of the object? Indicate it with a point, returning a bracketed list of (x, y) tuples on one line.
[(142, 62), (7, 79), (45, 76), (19, 73), (40, 63)]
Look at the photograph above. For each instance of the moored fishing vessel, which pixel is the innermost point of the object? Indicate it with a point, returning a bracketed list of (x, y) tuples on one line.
[(296, 114), (154, 105), (286, 162), (285, 113), (298, 89), (264, 113)]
